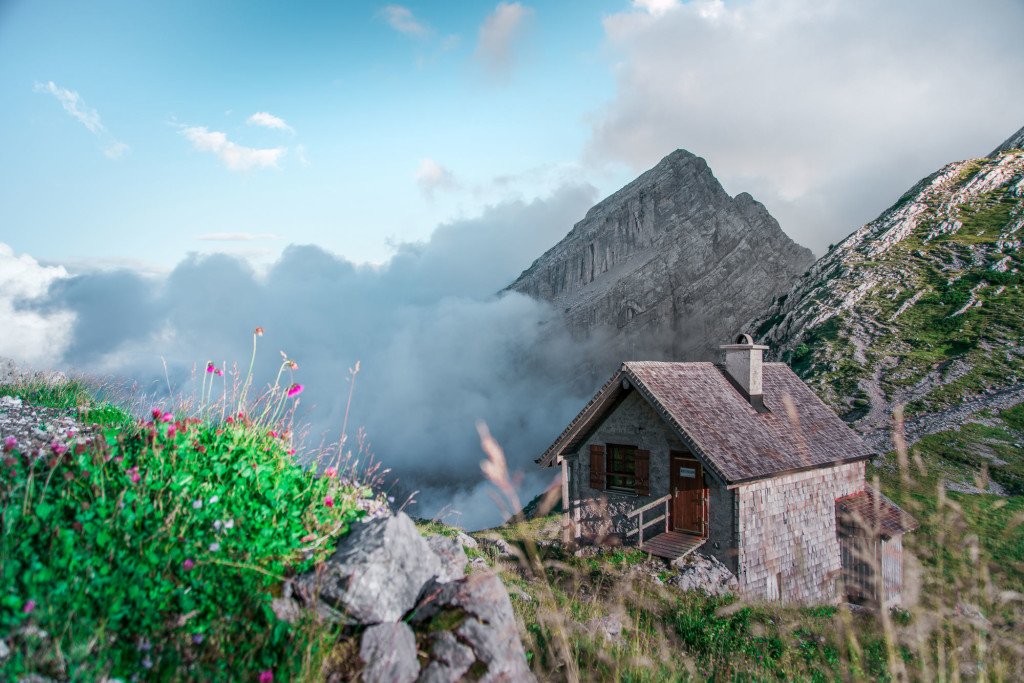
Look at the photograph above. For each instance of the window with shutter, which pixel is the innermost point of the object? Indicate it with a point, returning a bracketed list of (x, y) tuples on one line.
[(597, 467), (621, 468), (642, 475)]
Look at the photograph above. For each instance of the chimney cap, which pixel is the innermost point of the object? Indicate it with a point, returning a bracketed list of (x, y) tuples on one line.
[(743, 342)]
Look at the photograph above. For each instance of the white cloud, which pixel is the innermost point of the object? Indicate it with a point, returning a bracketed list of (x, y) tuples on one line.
[(825, 112), (431, 176), (237, 237), (262, 118), (656, 7), (32, 338), (402, 20), (501, 31), (73, 104), (234, 156)]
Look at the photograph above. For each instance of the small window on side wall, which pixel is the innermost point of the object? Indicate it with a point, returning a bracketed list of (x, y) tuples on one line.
[(622, 468)]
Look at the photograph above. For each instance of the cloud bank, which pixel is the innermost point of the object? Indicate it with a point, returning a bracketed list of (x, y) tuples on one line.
[(499, 37), (825, 112), (438, 349)]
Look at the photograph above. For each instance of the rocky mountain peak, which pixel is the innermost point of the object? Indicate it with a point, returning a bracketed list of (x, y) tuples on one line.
[(668, 266), (1015, 141)]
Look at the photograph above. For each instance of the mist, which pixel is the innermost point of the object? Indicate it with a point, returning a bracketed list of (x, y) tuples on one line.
[(438, 348)]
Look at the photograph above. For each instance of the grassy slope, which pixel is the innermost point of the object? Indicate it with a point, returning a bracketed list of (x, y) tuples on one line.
[(156, 550)]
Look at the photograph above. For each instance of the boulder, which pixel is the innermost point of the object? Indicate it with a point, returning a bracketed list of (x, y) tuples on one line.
[(389, 652), (451, 555), (477, 613), (375, 573), (703, 572)]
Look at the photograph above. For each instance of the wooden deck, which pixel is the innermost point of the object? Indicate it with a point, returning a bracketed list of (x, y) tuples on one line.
[(673, 544)]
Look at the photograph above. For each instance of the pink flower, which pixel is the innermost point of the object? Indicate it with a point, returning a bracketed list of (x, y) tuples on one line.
[(58, 448), (267, 676), (167, 417), (157, 413), (291, 451), (295, 389), (229, 419), (210, 367), (220, 373), (331, 472), (10, 443), (133, 474), (258, 331), (273, 434), (187, 565), (29, 606), (329, 502), (292, 364), (170, 432)]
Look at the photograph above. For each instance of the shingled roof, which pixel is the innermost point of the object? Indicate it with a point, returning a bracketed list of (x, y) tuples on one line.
[(717, 422), (872, 512)]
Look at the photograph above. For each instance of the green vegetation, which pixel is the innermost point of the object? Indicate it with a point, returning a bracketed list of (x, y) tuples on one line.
[(155, 548)]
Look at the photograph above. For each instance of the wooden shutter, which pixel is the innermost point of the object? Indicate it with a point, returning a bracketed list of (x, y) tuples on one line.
[(642, 473), (597, 467)]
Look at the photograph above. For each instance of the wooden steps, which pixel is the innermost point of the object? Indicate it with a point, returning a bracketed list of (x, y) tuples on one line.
[(673, 544)]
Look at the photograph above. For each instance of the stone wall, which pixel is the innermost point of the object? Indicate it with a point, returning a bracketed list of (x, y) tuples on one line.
[(598, 513), (788, 546)]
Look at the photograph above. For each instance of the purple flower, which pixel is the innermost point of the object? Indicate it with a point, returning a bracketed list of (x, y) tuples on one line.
[(29, 606), (295, 389), (267, 676), (147, 663), (214, 499), (58, 448), (187, 565), (134, 475), (10, 443), (210, 367), (197, 503), (217, 525), (214, 547), (197, 638), (230, 524)]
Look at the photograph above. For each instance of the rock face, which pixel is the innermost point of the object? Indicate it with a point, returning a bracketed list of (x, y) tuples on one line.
[(668, 266)]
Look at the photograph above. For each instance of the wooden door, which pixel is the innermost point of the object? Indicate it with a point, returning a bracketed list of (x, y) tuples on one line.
[(689, 496)]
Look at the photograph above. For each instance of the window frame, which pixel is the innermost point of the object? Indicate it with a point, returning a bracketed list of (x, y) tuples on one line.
[(627, 473)]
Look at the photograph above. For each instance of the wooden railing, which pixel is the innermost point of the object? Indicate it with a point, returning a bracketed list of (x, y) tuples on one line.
[(639, 514)]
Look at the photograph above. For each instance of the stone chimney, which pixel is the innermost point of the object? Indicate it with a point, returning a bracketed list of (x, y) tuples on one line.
[(743, 368)]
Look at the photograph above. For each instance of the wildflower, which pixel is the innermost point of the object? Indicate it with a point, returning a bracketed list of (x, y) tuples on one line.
[(214, 499), (217, 525), (197, 503), (307, 538), (210, 367), (295, 389), (267, 676), (331, 472), (329, 501), (58, 448), (292, 364), (134, 475), (147, 662), (258, 331), (229, 419), (230, 524), (291, 451), (157, 413), (167, 417), (145, 646), (391, 499), (273, 434), (170, 432), (214, 547), (29, 606), (220, 373), (10, 443), (197, 638), (188, 564)]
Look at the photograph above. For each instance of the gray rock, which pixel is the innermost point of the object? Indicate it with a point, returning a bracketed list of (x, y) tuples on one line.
[(466, 540), (609, 627), (478, 612), (703, 572), (5, 651), (375, 573), (451, 555), (668, 266), (449, 660), (389, 652), (286, 609)]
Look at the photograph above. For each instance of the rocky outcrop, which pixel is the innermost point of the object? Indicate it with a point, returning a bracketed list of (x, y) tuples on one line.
[(416, 614), (704, 573), (668, 266)]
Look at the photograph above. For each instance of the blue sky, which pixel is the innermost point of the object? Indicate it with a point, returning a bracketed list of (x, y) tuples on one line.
[(368, 92)]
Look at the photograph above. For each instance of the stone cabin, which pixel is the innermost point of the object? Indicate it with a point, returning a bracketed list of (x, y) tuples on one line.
[(742, 460)]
